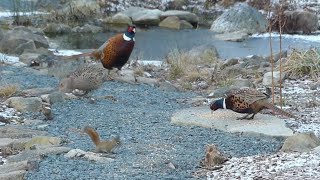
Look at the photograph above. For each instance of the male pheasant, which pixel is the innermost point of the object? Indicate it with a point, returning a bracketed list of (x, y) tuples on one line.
[(115, 52), (247, 100)]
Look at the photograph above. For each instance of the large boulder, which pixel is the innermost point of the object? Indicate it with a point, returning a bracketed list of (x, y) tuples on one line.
[(300, 20), (119, 19), (29, 104), (173, 22), (142, 16), (87, 28), (78, 10), (182, 15), (267, 78), (54, 28), (16, 40), (240, 18), (301, 142), (118, 22)]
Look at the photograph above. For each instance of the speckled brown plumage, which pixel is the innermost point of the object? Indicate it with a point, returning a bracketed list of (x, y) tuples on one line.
[(115, 52), (87, 77), (247, 100)]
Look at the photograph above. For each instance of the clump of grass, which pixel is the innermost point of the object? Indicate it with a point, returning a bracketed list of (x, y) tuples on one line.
[(303, 63), (8, 90), (177, 61), (189, 68)]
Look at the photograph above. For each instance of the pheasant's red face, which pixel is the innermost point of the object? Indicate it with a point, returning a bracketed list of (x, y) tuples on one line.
[(132, 29)]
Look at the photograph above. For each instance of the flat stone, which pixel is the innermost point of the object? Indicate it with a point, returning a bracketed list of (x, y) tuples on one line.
[(225, 120)]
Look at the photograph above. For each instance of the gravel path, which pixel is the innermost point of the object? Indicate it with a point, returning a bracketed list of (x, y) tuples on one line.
[(141, 116)]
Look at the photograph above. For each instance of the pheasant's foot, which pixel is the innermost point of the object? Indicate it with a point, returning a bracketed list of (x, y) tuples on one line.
[(246, 117)]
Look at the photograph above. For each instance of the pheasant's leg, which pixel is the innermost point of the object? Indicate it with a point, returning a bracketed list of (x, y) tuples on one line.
[(109, 75), (244, 117), (251, 116), (119, 72)]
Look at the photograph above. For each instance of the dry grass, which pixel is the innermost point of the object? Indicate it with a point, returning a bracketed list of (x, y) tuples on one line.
[(8, 90), (303, 63), (187, 68)]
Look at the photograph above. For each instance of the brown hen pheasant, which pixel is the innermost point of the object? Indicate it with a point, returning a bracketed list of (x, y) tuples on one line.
[(115, 52), (249, 101)]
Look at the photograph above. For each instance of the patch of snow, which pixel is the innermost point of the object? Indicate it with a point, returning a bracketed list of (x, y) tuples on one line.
[(313, 38), (289, 165), (11, 60), (64, 52), (9, 14), (150, 62)]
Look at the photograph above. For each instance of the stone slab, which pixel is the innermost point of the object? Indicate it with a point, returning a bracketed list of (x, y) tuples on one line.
[(225, 120)]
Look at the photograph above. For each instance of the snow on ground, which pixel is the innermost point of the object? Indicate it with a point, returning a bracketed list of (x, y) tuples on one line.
[(64, 52), (11, 60), (313, 37), (9, 14), (281, 165)]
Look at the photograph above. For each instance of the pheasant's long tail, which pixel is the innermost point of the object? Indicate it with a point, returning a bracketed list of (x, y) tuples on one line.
[(279, 111), (78, 56)]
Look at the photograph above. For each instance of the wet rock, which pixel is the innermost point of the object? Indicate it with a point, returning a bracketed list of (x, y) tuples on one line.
[(143, 16), (301, 142), (203, 52), (120, 18), (18, 132), (15, 40), (13, 170), (79, 10), (74, 153), (298, 20), (12, 146), (87, 28), (37, 154), (116, 23), (240, 18), (24, 46), (32, 57), (56, 97), (225, 120), (37, 91), (12, 175), (42, 141), (182, 15), (267, 78), (28, 104), (253, 62), (173, 22), (54, 28), (230, 62)]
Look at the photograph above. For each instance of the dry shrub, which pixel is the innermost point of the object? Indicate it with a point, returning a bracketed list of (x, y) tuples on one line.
[(228, 3), (183, 66), (8, 90), (259, 4), (302, 63)]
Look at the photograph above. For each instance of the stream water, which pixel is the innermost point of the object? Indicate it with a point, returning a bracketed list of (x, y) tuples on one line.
[(154, 44)]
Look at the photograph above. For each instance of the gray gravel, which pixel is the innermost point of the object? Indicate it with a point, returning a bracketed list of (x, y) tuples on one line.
[(141, 116)]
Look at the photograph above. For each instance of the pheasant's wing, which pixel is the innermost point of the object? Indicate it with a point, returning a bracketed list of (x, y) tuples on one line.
[(101, 48), (250, 95)]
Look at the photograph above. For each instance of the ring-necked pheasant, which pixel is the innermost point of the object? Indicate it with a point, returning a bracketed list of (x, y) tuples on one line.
[(247, 100), (115, 52)]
